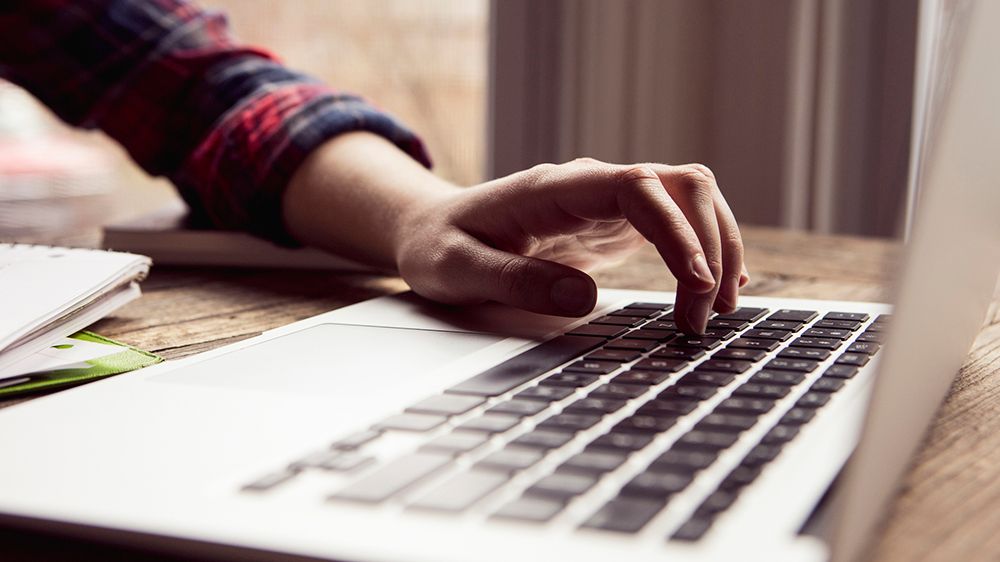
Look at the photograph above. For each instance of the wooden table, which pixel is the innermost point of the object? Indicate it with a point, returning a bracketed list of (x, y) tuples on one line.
[(949, 509)]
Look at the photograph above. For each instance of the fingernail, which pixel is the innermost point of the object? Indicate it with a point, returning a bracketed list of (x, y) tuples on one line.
[(572, 296), (697, 316), (701, 270)]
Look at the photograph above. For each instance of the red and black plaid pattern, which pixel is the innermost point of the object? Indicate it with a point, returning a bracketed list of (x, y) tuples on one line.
[(227, 123)]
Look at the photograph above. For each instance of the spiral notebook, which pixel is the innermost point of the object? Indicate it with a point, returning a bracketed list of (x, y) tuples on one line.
[(49, 293)]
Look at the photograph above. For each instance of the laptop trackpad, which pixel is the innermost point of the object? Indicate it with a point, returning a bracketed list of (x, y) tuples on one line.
[(335, 358)]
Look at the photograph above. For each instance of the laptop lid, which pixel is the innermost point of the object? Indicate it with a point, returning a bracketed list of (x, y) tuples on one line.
[(949, 275)]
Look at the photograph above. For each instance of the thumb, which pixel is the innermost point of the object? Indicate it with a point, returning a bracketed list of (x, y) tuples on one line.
[(532, 284)]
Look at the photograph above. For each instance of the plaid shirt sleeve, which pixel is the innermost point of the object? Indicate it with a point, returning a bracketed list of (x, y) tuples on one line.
[(226, 123)]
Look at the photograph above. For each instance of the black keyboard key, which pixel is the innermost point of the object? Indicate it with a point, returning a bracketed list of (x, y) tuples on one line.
[(393, 477), (750, 406), (648, 378), (622, 441), (688, 392), (355, 440), (619, 320), (654, 364), (531, 508), (853, 316), (725, 365), (519, 407), (650, 335), (490, 423), (599, 406), (706, 378), (668, 325), (748, 314), (696, 342), (639, 423), (798, 416), (804, 353), (813, 399), (873, 337), (653, 484), (838, 324), (833, 333), (841, 371), (605, 331), (460, 491), (594, 461), (776, 335), (827, 384), (624, 514), (456, 443), (798, 365), (640, 312), (617, 355), (511, 459), (854, 359), (757, 390), (682, 353), (718, 501), (619, 391), (592, 367), (719, 333), (700, 439), (752, 355), (570, 422), (546, 393), (761, 455), (524, 367), (270, 481), (877, 327), (693, 529), (728, 423), (543, 439), (747, 343), (740, 477), (446, 405), (866, 347), (820, 343), (780, 434), (631, 345), (790, 378), (410, 422), (784, 325), (667, 408), (789, 315), (563, 485), (719, 323), (573, 380), (652, 305), (681, 460)]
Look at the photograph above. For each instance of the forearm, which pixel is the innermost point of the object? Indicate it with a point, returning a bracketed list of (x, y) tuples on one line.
[(350, 194)]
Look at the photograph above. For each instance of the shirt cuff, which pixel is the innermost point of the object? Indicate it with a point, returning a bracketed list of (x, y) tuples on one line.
[(237, 175)]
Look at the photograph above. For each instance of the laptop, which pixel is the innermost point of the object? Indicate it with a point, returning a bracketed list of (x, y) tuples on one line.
[(396, 429)]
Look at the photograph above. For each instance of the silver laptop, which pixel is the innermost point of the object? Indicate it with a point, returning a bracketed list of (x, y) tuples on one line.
[(398, 430)]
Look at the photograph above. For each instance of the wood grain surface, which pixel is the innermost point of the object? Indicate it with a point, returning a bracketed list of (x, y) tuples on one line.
[(949, 507)]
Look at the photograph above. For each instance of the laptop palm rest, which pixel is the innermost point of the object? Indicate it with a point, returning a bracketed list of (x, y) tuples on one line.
[(333, 358)]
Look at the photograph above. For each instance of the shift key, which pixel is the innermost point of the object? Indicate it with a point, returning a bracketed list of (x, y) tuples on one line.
[(392, 478)]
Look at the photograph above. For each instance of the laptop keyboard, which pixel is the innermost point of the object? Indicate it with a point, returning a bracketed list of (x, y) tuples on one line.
[(621, 416)]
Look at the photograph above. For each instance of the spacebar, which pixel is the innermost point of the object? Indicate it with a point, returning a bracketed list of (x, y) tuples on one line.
[(526, 366)]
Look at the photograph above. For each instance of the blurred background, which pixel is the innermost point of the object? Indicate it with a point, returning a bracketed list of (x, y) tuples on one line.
[(802, 107)]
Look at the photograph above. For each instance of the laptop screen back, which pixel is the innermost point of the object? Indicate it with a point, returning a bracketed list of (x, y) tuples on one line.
[(950, 272)]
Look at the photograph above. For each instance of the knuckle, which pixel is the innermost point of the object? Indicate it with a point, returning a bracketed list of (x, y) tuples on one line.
[(451, 255), (701, 170), (586, 161), (633, 175)]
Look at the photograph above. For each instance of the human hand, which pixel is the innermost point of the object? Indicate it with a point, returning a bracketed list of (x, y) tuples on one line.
[(523, 239)]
